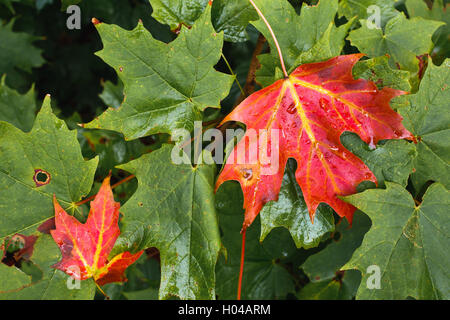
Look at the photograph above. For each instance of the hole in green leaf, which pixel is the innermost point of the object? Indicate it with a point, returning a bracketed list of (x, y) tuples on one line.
[(41, 177)]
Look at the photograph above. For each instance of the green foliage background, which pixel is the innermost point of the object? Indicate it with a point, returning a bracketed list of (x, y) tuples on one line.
[(191, 236)]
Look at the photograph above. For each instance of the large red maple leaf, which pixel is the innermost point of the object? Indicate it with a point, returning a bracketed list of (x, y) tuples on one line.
[(311, 108), (85, 247)]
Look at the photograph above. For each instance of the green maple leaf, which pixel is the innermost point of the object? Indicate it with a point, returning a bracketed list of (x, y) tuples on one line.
[(426, 116), (324, 265), (323, 268), (232, 17), (12, 278), (382, 74), (359, 9), (263, 278), (16, 108), (173, 210), (112, 94), (36, 165), (343, 287), (17, 51), (229, 16), (52, 284), (396, 40), (111, 148), (439, 12), (419, 8), (290, 211), (309, 37), (177, 12), (408, 243), (391, 160), (167, 86)]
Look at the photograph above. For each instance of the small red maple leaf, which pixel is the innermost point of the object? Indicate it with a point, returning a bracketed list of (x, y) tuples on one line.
[(310, 109), (85, 247)]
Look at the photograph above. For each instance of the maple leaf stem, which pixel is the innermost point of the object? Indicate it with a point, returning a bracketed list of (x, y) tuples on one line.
[(241, 270), (101, 290), (115, 185), (79, 203), (232, 73), (283, 67)]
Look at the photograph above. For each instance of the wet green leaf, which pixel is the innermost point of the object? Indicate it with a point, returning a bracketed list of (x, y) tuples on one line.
[(173, 210), (36, 165), (426, 116), (396, 40), (17, 51), (16, 108), (407, 242), (379, 71), (167, 86), (290, 211)]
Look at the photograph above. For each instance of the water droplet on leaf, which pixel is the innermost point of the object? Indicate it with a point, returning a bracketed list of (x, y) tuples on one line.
[(292, 108), (247, 173), (323, 104)]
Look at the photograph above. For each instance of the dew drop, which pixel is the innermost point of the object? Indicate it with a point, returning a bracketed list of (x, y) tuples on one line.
[(371, 144), (323, 103), (66, 247), (292, 108), (247, 173)]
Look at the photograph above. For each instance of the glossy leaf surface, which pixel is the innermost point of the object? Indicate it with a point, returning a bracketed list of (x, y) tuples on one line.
[(166, 86), (173, 210), (36, 165), (310, 110), (408, 243)]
